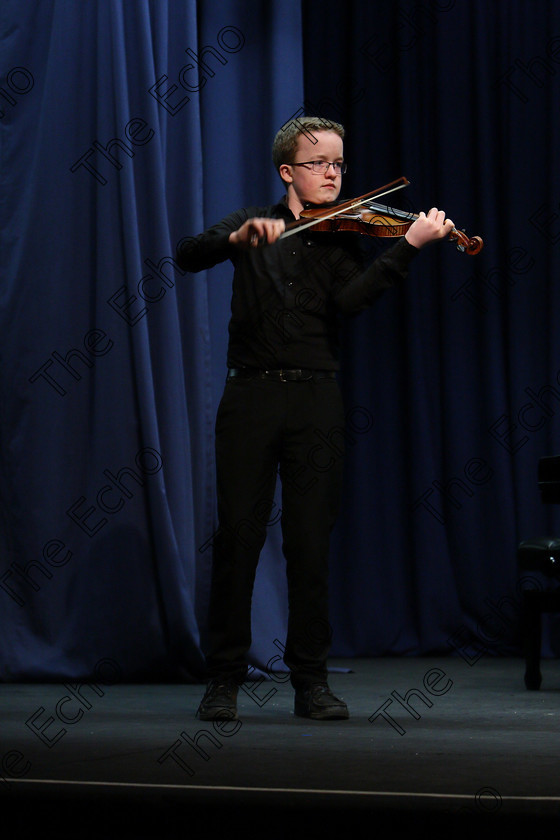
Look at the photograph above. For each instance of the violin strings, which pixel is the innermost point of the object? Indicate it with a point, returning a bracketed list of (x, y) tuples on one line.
[(357, 203)]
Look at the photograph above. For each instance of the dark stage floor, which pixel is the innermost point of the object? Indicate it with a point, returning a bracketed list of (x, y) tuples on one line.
[(479, 751)]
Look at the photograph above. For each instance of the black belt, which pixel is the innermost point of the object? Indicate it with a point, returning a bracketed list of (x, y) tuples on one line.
[(281, 375)]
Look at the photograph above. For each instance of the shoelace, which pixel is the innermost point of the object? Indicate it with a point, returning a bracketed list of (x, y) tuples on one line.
[(321, 689), (223, 688)]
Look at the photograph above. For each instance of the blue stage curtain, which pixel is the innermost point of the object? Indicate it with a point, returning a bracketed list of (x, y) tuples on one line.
[(457, 373), (126, 126)]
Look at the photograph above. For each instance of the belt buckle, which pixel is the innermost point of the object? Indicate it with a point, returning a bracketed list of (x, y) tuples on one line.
[(282, 376)]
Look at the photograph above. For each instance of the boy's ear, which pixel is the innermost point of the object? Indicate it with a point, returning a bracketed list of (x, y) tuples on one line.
[(285, 173)]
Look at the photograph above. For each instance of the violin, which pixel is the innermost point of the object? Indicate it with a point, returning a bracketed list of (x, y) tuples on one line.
[(362, 215)]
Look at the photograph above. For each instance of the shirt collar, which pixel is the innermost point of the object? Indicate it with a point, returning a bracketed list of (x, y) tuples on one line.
[(283, 208)]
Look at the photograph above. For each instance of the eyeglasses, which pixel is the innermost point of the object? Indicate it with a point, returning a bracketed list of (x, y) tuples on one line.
[(321, 167)]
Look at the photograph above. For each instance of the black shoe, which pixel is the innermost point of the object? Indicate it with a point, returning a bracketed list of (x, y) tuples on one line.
[(318, 702), (219, 701)]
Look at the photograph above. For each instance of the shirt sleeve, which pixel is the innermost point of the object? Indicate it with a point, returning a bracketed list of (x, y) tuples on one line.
[(196, 253), (356, 288)]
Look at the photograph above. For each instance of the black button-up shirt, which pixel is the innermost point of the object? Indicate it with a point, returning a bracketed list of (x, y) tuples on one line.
[(288, 297)]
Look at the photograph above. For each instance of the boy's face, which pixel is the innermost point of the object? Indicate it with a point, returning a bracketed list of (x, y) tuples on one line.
[(317, 188)]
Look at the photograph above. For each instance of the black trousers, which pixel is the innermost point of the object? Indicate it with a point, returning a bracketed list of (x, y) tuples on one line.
[(265, 428)]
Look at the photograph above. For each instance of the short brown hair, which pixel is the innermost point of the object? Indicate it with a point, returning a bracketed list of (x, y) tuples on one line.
[(285, 142)]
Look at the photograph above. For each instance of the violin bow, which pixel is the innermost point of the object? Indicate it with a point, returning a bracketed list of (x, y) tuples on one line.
[(298, 225)]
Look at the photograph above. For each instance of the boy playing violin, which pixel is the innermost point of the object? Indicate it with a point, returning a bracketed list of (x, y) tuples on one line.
[(281, 402)]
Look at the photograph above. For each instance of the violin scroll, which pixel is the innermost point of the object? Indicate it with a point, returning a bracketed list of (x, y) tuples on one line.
[(471, 245)]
